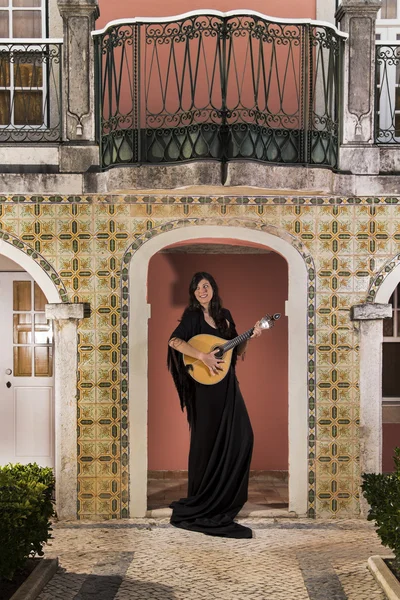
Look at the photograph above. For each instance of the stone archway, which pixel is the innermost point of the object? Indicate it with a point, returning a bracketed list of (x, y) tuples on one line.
[(16, 251), (65, 317), (139, 312), (370, 318)]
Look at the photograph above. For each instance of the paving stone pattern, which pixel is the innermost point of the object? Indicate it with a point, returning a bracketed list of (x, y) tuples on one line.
[(147, 559)]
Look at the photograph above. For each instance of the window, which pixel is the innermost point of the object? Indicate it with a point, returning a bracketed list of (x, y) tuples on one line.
[(388, 84), (391, 351), (389, 9), (32, 332), (21, 66), (21, 19)]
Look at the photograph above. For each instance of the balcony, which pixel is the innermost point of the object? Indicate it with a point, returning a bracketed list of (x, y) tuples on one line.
[(237, 98), (218, 86)]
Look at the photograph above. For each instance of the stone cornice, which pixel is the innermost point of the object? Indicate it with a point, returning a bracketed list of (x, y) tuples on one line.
[(78, 7), (358, 8)]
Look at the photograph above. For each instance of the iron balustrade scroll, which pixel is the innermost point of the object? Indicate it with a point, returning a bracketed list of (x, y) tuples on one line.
[(30, 90), (218, 86), (387, 97)]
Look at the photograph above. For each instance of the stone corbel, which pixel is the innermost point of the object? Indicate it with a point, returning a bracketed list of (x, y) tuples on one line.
[(370, 318), (65, 319)]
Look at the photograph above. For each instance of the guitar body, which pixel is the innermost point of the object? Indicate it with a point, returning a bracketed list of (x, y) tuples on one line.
[(200, 373)]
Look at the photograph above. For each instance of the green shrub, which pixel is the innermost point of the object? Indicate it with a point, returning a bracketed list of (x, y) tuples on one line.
[(25, 509), (382, 492)]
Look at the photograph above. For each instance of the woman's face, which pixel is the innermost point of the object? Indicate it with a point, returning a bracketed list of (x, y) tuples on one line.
[(204, 292)]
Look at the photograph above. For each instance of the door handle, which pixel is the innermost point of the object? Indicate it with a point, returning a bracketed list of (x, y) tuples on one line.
[(8, 384), (8, 371)]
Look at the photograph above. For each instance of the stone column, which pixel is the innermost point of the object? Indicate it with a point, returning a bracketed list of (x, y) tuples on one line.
[(65, 325), (79, 18), (358, 18), (370, 317)]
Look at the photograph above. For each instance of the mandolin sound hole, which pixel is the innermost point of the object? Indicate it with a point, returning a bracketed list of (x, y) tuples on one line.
[(220, 353)]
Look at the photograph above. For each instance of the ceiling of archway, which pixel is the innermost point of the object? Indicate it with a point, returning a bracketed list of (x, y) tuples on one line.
[(214, 249)]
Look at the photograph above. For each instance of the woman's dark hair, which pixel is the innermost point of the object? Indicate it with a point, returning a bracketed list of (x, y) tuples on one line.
[(215, 308)]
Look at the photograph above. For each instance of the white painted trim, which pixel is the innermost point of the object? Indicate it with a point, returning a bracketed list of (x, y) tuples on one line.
[(216, 13), (32, 41), (325, 10), (31, 267), (296, 310), (385, 23), (388, 286)]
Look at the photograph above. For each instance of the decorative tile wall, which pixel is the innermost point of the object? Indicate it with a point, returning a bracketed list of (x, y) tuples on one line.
[(85, 245)]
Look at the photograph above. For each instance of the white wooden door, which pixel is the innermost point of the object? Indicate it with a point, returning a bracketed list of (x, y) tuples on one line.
[(26, 373)]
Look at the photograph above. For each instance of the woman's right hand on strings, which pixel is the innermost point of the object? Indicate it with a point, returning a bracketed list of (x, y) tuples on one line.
[(212, 362)]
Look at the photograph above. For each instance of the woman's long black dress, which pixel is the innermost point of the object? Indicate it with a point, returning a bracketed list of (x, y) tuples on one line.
[(221, 442)]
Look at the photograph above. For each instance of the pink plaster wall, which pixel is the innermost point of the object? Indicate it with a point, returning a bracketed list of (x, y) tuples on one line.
[(250, 286), (158, 97), (122, 9)]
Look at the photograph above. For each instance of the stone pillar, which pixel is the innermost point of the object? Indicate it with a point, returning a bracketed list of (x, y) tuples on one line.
[(79, 18), (370, 317), (65, 325), (358, 18)]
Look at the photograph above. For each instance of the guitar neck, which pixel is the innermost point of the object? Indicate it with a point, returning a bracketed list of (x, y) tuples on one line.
[(237, 340)]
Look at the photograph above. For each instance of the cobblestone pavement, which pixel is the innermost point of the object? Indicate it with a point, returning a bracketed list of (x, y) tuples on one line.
[(144, 559)]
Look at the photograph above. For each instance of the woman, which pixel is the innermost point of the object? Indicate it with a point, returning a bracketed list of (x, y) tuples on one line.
[(221, 440)]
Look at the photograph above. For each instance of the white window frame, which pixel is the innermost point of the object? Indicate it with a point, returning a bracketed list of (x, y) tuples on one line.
[(395, 338), (388, 22), (33, 344), (389, 31), (10, 9), (325, 10), (36, 47), (388, 28)]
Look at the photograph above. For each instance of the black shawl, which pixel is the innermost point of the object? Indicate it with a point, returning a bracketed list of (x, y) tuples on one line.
[(189, 326)]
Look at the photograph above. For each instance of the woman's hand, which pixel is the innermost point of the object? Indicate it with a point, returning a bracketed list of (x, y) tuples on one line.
[(212, 362), (257, 330)]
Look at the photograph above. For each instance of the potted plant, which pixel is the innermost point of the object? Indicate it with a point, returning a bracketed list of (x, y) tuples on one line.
[(382, 492), (26, 508)]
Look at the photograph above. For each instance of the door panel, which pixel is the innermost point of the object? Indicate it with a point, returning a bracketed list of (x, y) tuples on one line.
[(33, 422), (26, 373)]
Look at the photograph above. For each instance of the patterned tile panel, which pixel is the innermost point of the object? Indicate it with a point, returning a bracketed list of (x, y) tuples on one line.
[(85, 244)]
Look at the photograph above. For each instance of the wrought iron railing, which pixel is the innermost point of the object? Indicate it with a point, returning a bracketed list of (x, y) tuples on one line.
[(387, 109), (221, 86), (30, 90)]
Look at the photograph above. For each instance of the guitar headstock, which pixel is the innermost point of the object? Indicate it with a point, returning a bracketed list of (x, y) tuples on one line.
[(269, 321)]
